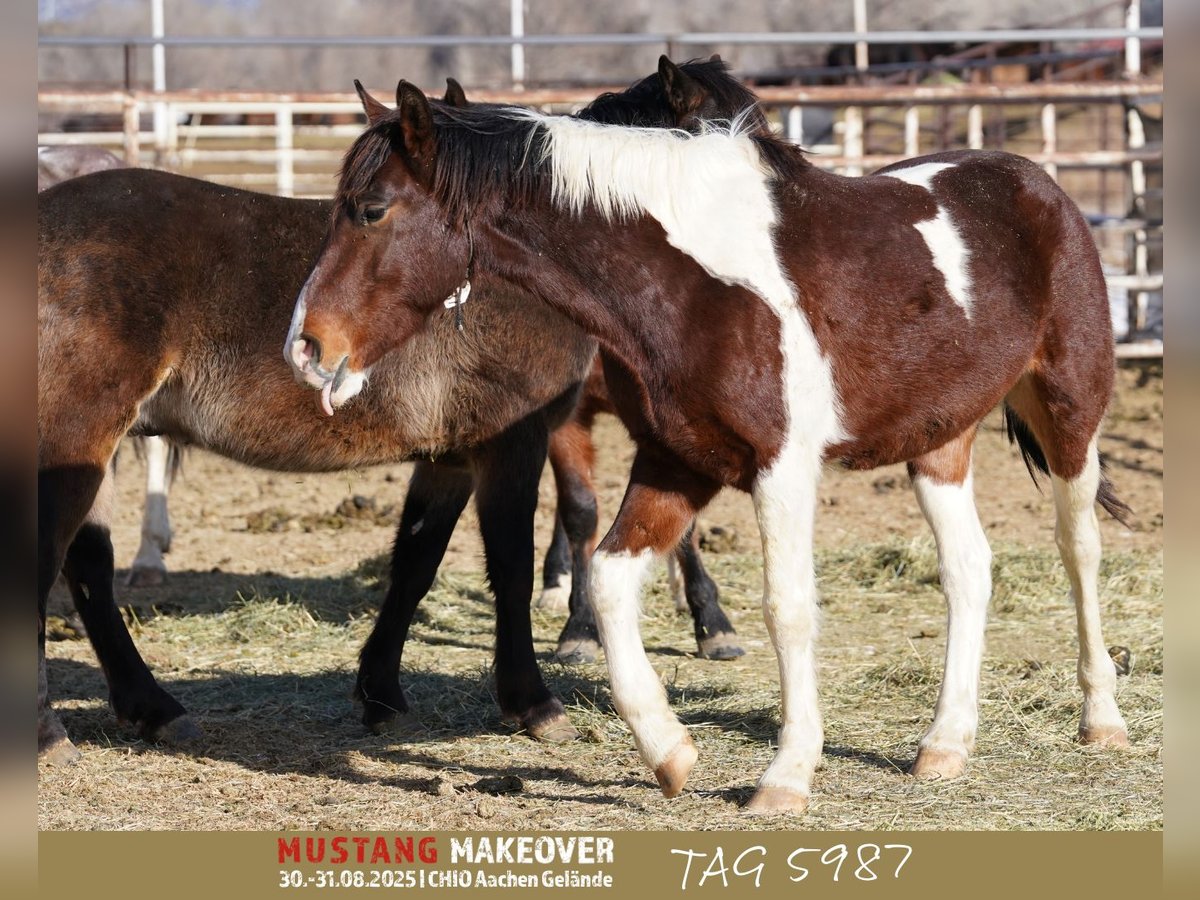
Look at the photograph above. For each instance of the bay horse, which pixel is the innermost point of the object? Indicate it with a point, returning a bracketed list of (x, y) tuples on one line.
[(154, 293), (757, 318)]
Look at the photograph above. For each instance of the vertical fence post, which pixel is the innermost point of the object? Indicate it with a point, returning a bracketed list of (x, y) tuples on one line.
[(852, 140), (1050, 139), (912, 131), (517, 27), (1135, 131), (794, 124), (853, 137), (285, 175), (131, 122), (975, 127), (1133, 45)]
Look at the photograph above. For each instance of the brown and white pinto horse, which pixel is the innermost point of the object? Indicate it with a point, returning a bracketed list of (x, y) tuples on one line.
[(154, 292), (758, 318)]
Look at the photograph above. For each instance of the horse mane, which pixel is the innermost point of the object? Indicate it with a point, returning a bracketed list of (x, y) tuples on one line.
[(495, 152), (644, 103)]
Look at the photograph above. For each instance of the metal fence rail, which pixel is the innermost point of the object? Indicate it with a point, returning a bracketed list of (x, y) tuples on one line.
[(298, 158)]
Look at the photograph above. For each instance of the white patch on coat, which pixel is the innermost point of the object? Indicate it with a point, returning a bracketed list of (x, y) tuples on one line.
[(712, 194), (950, 254)]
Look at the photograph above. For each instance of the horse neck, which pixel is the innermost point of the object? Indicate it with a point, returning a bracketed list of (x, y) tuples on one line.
[(587, 287)]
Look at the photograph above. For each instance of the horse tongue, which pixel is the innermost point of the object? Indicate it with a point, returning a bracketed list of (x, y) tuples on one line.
[(327, 398)]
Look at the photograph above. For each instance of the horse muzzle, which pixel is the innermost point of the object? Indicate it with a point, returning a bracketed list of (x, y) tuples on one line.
[(337, 387)]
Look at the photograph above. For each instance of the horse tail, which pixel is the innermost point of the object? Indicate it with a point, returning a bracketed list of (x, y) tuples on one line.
[(1035, 462), (1031, 451), (174, 460)]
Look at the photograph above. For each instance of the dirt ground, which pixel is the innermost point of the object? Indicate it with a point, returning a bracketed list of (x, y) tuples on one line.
[(258, 628)]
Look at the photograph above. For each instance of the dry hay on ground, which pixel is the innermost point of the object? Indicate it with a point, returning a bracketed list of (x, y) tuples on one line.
[(266, 661), (269, 678)]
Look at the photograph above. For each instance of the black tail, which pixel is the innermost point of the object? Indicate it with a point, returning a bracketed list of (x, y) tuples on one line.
[(1035, 462), (1107, 497), (1031, 452)]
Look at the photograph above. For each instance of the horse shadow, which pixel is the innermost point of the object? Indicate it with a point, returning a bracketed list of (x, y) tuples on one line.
[(306, 723)]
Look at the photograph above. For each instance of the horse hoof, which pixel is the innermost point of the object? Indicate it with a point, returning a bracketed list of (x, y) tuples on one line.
[(932, 764), (1113, 736), (771, 800), (672, 773), (556, 598), (721, 646), (391, 724), (59, 753), (576, 652), (144, 576), (179, 731), (556, 730)]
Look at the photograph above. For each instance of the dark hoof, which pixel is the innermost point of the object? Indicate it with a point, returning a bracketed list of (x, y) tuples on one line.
[(576, 652), (143, 576), (554, 731), (60, 752), (177, 733), (721, 646), (393, 724), (547, 721)]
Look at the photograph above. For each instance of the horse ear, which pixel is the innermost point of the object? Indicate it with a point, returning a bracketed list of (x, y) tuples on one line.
[(455, 95), (716, 57), (684, 93), (416, 129), (372, 107)]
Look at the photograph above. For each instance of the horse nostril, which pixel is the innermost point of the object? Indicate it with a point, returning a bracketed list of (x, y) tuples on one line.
[(311, 349)]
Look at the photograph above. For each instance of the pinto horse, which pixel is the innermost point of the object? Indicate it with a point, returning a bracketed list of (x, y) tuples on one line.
[(154, 293), (757, 317)]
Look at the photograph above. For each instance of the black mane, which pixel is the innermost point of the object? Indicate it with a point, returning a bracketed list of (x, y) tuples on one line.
[(644, 103), (489, 152)]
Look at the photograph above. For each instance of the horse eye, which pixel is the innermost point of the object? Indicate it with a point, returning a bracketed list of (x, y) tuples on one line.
[(372, 214)]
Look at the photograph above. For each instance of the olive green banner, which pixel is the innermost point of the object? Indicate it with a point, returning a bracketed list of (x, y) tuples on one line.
[(777, 864)]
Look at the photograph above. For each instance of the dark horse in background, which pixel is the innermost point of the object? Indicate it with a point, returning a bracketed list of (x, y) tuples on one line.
[(757, 318), (155, 293)]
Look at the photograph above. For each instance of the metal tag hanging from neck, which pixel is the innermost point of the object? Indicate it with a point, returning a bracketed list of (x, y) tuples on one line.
[(456, 300)]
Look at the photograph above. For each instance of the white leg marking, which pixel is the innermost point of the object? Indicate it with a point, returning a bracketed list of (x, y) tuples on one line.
[(950, 254), (156, 524), (558, 597), (965, 565), (1078, 536), (675, 583), (638, 693), (784, 501)]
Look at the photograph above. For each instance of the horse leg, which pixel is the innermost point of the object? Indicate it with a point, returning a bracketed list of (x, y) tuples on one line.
[(715, 636), (506, 496), (134, 694), (1065, 423), (65, 494), (572, 456), (437, 495), (662, 499), (675, 584), (943, 484), (149, 569), (556, 570), (784, 501)]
